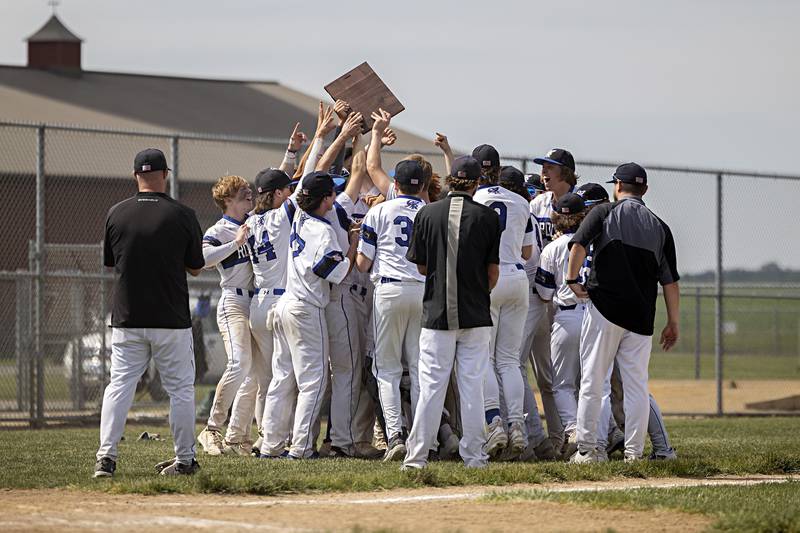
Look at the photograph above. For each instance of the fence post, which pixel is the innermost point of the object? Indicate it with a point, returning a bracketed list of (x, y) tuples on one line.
[(38, 282), (718, 311), (173, 176), (697, 331), (524, 166), (103, 325)]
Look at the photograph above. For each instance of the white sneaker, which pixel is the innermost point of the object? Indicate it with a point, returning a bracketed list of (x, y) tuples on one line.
[(583, 458), (256, 449), (211, 441), (497, 438), (396, 450), (237, 448), (517, 442), (632, 459)]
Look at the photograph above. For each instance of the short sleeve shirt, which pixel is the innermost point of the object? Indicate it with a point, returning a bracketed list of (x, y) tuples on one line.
[(151, 240), (633, 251), (456, 238)]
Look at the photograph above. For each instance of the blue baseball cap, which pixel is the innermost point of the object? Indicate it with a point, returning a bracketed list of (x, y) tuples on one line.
[(557, 156)]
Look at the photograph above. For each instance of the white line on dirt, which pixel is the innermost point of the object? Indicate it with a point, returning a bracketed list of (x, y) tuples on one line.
[(171, 522)]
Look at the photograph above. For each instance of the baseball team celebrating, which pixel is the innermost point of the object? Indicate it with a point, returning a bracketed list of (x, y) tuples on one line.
[(342, 298)]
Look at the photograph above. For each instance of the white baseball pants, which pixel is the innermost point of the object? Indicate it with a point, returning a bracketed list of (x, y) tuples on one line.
[(350, 402), (536, 349), (565, 339), (301, 330), (439, 352), (509, 308), (397, 321), (233, 320), (252, 393), (602, 343), (173, 353)]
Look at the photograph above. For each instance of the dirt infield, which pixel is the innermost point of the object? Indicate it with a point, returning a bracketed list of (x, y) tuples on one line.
[(461, 509)]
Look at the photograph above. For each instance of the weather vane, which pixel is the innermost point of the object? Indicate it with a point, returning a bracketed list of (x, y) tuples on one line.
[(53, 4)]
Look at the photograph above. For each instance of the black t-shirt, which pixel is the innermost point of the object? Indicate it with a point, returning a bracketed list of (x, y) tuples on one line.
[(150, 240), (456, 238), (633, 251)]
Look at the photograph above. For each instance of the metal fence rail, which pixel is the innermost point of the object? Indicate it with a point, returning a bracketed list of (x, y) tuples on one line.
[(740, 344)]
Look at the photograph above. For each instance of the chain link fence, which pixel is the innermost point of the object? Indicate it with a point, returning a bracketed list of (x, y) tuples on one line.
[(739, 350)]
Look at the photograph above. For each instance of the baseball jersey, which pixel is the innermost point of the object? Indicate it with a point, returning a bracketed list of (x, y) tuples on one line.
[(339, 218), (270, 231), (542, 209), (515, 221), (232, 261), (316, 260), (357, 210), (385, 235), (552, 273)]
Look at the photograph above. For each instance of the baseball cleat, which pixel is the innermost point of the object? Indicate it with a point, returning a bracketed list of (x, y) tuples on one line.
[(449, 449), (338, 452), (255, 451), (616, 442), (580, 457), (668, 455), (164, 464), (396, 449), (237, 448), (570, 445), (497, 438), (632, 459), (211, 440), (517, 442), (411, 468), (545, 451), (325, 449), (365, 450), (283, 455), (314, 455), (181, 469), (105, 467)]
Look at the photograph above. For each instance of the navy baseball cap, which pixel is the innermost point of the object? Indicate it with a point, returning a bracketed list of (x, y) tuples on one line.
[(512, 175), (535, 182), (592, 193), (409, 172), (318, 184), (569, 204), (557, 156), (630, 173), (150, 160), (487, 156), (271, 179), (466, 168)]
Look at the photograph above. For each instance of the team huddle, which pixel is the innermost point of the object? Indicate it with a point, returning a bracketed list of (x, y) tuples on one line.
[(405, 317), (327, 272)]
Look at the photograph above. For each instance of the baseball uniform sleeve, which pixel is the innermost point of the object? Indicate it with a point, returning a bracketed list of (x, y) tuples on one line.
[(193, 257), (493, 226), (108, 250), (528, 239), (214, 250), (545, 277), (344, 200), (330, 263), (668, 267), (417, 248), (592, 226), (368, 238)]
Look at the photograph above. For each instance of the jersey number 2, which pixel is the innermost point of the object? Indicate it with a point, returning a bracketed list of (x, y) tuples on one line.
[(406, 227), (502, 212)]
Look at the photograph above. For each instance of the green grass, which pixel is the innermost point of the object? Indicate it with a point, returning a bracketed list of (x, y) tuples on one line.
[(767, 507), (741, 367), (65, 458)]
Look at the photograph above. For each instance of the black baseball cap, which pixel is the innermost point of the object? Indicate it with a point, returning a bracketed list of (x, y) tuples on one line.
[(592, 193), (512, 175), (557, 156), (409, 172), (630, 173), (466, 168), (150, 160), (487, 156), (569, 204), (535, 182), (271, 179), (317, 184)]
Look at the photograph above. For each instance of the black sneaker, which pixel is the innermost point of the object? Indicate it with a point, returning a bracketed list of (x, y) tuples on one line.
[(337, 452), (105, 467), (181, 469), (395, 450)]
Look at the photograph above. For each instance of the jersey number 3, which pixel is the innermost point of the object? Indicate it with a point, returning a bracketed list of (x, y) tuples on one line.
[(502, 212), (406, 227)]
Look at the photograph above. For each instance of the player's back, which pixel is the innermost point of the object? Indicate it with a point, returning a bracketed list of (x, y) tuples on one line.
[(515, 221), (270, 232), (387, 229), (235, 271)]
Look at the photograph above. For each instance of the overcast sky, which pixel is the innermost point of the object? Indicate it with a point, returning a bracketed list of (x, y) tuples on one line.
[(713, 83)]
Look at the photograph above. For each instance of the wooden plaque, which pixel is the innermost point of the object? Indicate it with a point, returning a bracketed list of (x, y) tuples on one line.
[(365, 92)]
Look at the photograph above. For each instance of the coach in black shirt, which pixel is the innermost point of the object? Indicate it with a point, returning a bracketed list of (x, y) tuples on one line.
[(455, 243), (632, 252), (151, 241)]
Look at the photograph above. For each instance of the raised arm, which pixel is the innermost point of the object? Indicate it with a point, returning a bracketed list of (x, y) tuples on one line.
[(325, 124), (374, 167), (358, 171), (441, 142), (350, 128), (296, 141)]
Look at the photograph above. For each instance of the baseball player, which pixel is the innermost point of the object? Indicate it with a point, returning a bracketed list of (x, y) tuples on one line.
[(227, 246), (269, 225), (385, 236), (509, 303), (566, 331), (300, 326)]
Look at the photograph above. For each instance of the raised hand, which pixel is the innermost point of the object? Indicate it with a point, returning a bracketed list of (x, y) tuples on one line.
[(382, 119), (442, 143), (389, 137), (325, 121), (297, 139), (352, 125), (342, 110)]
